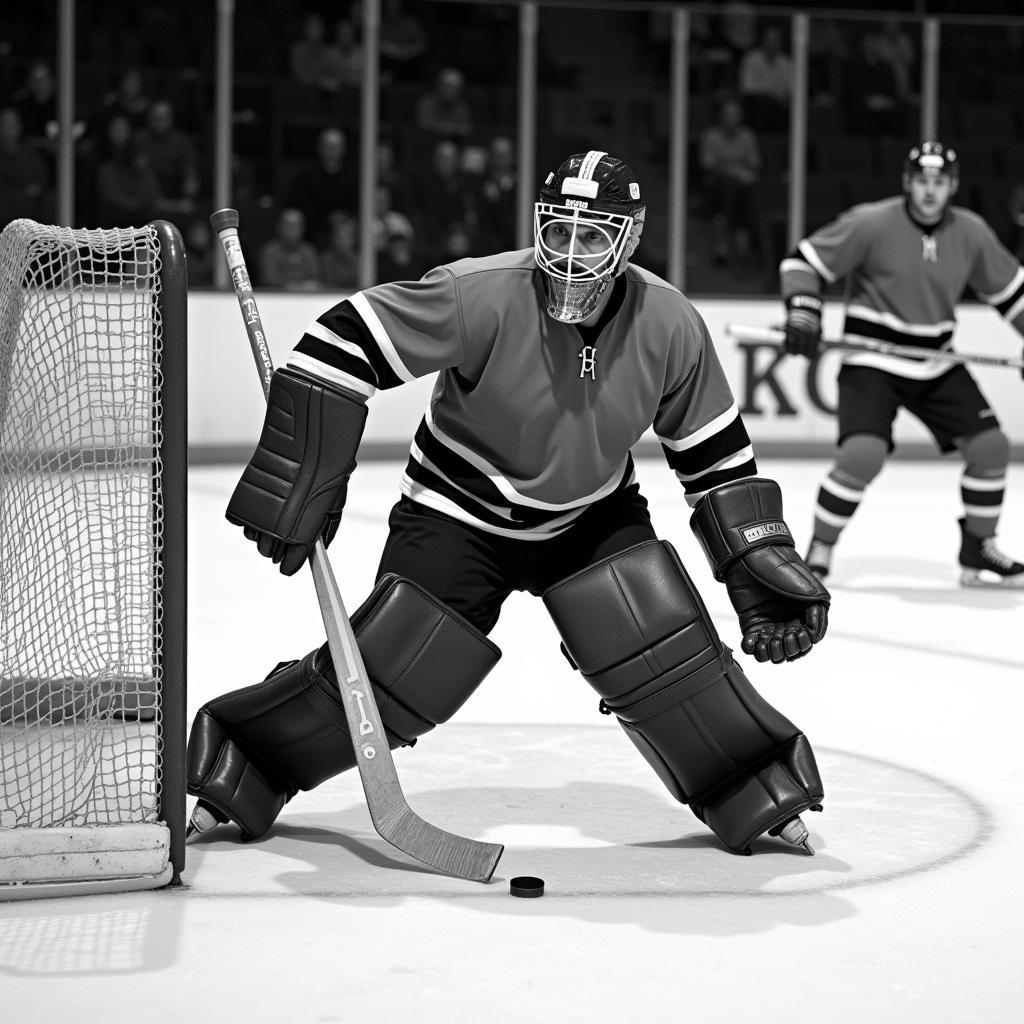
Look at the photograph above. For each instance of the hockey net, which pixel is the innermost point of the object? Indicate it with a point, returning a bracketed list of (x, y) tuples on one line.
[(89, 731)]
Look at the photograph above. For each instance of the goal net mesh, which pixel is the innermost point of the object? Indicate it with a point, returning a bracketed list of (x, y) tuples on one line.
[(81, 521)]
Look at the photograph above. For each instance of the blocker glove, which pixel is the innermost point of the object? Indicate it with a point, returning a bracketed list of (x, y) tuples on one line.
[(803, 325), (293, 490), (782, 606)]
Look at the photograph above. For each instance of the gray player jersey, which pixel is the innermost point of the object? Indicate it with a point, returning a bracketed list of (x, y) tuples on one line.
[(530, 421), (904, 280)]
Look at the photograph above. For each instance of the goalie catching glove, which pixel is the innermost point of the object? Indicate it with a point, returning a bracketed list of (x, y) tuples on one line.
[(781, 604), (293, 490)]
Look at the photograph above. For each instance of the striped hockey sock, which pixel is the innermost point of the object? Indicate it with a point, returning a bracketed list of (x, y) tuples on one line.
[(983, 502), (838, 498)]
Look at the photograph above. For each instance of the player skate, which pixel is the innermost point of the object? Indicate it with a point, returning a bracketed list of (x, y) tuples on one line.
[(819, 558), (982, 564)]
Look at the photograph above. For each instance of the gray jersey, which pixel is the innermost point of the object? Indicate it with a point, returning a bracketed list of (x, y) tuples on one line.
[(904, 280), (529, 421)]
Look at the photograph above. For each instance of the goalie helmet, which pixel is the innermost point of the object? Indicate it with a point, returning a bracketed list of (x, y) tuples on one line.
[(587, 223), (932, 157)]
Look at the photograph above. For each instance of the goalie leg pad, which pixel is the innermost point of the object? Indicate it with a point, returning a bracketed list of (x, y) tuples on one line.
[(289, 732), (640, 634)]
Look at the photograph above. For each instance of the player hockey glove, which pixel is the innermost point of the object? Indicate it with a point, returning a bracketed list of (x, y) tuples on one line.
[(781, 604), (803, 325), (293, 489)]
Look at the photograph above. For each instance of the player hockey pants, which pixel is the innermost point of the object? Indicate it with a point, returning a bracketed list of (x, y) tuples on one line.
[(251, 750), (638, 631)]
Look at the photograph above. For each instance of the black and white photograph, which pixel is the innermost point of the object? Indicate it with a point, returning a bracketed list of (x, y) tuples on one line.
[(511, 511)]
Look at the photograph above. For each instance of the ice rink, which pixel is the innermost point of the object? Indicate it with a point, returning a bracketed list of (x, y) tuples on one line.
[(912, 909)]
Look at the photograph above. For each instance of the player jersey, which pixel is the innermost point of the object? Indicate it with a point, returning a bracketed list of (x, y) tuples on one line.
[(904, 279), (529, 421)]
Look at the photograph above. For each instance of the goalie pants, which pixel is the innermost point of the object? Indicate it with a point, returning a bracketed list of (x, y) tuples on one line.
[(473, 572)]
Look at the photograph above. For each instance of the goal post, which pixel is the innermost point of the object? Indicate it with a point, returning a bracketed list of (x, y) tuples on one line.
[(93, 501)]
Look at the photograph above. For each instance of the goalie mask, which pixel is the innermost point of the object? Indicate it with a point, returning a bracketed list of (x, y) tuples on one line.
[(587, 223)]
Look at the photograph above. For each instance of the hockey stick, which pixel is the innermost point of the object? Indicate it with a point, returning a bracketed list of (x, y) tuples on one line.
[(392, 817), (774, 336)]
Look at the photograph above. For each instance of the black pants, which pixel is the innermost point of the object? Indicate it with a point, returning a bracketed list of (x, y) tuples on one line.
[(473, 572)]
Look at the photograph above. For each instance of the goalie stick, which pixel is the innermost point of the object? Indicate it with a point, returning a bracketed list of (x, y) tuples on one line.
[(774, 336), (391, 814)]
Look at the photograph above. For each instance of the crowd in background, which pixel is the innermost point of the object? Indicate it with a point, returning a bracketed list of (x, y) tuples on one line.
[(446, 157)]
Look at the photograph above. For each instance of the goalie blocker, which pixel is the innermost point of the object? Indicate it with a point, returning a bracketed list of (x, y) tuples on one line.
[(638, 631), (252, 750)]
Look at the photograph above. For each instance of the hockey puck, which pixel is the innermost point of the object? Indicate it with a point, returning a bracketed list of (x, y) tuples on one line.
[(527, 887)]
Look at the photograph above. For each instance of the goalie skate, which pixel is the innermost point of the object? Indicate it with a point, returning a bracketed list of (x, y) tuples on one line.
[(982, 564)]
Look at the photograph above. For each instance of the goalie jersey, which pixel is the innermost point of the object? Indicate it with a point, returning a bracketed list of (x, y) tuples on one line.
[(531, 420), (904, 279)]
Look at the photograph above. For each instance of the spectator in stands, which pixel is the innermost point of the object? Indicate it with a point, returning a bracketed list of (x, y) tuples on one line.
[(398, 261), (311, 59), (893, 47), (717, 44), (388, 221), (127, 100), (395, 241), (765, 82), (730, 161), (127, 189), (733, 34), (458, 243), (496, 197), (325, 185), (36, 103), (442, 199), (871, 93), (24, 176), (348, 55), (389, 173), (199, 250), (827, 52), (172, 157), (339, 261), (288, 261), (403, 42), (444, 110)]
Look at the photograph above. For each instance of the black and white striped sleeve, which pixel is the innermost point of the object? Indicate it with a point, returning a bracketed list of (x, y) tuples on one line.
[(702, 434), (384, 336), (998, 277)]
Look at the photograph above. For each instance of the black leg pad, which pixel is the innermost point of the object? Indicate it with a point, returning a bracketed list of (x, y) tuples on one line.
[(289, 732), (640, 634)]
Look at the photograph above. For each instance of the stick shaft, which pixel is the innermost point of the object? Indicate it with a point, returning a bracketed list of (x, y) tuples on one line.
[(391, 815), (773, 336)]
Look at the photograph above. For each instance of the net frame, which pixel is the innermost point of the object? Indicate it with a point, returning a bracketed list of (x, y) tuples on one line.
[(130, 835)]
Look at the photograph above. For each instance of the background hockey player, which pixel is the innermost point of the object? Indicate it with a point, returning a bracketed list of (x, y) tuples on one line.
[(907, 261), (552, 362)]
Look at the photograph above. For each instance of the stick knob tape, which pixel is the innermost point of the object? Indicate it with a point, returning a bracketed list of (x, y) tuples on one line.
[(222, 219)]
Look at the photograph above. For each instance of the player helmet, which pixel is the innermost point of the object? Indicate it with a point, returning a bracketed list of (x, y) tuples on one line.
[(932, 157), (594, 193)]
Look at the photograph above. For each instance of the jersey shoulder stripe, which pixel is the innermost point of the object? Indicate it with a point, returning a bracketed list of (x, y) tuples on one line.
[(341, 340)]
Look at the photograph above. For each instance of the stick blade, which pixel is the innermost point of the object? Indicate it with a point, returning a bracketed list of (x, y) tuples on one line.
[(449, 853)]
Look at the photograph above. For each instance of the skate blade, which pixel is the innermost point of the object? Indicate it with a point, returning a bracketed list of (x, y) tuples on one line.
[(990, 581)]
